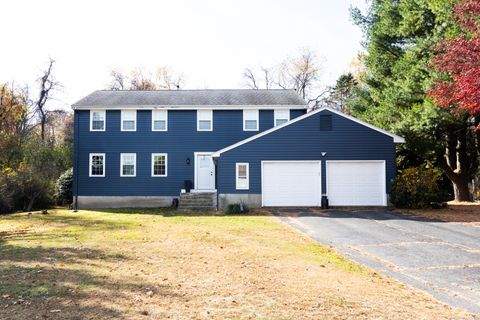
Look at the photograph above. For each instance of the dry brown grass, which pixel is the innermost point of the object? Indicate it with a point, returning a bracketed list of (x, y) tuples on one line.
[(116, 265), (464, 212)]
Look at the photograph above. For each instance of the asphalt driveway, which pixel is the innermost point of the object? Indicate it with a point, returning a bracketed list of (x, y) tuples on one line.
[(441, 258)]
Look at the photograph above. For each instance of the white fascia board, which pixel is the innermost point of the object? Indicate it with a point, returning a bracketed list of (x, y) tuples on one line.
[(188, 107), (396, 139)]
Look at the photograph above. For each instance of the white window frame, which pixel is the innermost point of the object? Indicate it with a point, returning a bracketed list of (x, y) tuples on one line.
[(238, 186), (134, 165), (104, 119), (90, 156), (123, 118), (166, 164), (277, 115), (246, 113), (154, 118), (208, 112)]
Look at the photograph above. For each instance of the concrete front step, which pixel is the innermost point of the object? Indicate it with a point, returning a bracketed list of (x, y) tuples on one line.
[(197, 201)]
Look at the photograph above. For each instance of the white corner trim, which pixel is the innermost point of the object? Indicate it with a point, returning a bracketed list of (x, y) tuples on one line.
[(396, 139)]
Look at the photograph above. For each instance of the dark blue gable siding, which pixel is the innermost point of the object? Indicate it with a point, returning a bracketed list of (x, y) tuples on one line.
[(303, 140), (180, 142)]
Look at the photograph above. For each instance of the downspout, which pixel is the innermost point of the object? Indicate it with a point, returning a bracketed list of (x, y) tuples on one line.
[(215, 162), (75, 164)]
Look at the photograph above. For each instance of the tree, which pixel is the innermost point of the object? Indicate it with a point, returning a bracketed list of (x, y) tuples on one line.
[(47, 84), (343, 91), (457, 61), (300, 73), (165, 79), (400, 37)]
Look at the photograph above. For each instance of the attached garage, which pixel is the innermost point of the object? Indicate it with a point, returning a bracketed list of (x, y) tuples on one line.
[(323, 153), (291, 183), (356, 183)]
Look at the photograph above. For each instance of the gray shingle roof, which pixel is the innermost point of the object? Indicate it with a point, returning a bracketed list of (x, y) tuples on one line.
[(234, 97)]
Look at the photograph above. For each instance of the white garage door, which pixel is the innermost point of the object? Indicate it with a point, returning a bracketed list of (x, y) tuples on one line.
[(291, 183), (356, 183)]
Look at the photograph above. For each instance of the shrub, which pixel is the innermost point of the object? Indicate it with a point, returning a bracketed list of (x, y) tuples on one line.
[(416, 187), (236, 208), (63, 187)]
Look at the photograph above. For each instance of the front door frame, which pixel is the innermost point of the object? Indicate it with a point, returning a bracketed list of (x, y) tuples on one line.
[(195, 154)]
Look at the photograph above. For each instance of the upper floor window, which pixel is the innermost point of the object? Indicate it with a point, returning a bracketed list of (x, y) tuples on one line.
[(129, 120), (250, 120), (281, 116), (242, 176), (97, 165), (204, 120), (128, 164), (159, 120), (159, 164), (97, 120)]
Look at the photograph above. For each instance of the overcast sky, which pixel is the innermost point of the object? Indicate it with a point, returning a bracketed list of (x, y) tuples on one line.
[(210, 41)]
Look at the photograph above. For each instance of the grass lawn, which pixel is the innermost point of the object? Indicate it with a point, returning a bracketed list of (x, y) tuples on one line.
[(119, 264)]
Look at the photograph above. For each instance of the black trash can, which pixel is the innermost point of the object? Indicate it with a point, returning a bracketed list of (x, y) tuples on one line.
[(187, 185)]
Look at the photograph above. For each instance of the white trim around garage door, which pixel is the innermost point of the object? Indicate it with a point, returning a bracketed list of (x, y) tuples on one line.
[(384, 186), (293, 161)]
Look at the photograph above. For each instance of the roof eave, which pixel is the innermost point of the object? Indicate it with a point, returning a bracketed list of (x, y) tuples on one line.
[(191, 107)]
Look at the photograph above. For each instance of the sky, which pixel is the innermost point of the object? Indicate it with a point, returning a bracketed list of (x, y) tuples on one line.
[(209, 41)]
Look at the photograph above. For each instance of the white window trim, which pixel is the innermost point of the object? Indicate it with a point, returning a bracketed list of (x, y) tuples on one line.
[(135, 121), (257, 119), (166, 164), (166, 120), (277, 117), (90, 156), (211, 119), (104, 119), (134, 165), (238, 164)]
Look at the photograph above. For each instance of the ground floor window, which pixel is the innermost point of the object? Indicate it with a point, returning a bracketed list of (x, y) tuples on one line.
[(159, 164), (128, 163), (97, 164), (242, 176)]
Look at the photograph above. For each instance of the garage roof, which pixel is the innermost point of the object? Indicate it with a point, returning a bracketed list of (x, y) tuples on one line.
[(396, 138)]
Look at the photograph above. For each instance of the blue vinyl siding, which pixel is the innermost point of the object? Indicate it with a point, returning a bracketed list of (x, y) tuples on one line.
[(303, 140), (180, 142)]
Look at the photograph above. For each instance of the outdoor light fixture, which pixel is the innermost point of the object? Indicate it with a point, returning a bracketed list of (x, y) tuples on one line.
[(187, 161), (323, 154)]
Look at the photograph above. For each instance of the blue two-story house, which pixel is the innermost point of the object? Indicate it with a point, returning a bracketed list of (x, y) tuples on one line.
[(258, 147)]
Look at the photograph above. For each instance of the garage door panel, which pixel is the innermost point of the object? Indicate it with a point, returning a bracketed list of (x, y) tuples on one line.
[(291, 183), (356, 183)]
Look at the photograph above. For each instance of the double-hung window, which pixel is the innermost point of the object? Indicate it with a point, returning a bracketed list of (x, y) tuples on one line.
[(204, 120), (242, 176), (97, 165), (159, 164), (250, 120), (129, 120), (128, 164), (97, 120), (159, 120), (281, 116)]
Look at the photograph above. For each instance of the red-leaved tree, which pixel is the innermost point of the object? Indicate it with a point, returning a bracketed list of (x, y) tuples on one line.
[(458, 62)]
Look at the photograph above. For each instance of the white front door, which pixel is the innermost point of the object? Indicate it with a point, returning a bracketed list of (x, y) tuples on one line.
[(204, 171)]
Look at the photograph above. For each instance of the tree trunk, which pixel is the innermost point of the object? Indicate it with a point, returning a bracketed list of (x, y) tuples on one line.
[(461, 190)]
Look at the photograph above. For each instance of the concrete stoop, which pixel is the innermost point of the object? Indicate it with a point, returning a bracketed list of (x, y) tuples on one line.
[(198, 201)]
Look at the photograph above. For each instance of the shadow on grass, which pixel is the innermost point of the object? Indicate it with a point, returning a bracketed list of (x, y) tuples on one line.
[(173, 212), (36, 280)]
